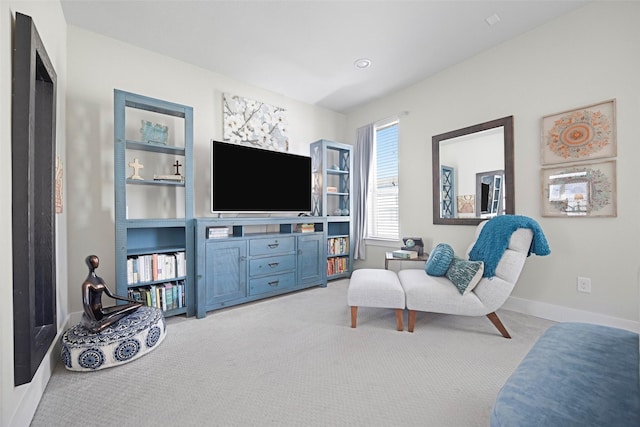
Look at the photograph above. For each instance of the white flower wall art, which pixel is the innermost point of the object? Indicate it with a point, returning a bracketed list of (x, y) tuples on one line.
[(255, 123)]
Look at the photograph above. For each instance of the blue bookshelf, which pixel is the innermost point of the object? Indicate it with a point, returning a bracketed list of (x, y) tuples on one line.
[(149, 235), (332, 163)]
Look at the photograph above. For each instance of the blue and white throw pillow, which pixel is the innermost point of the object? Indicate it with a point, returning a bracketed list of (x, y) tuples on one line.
[(465, 274), (439, 260)]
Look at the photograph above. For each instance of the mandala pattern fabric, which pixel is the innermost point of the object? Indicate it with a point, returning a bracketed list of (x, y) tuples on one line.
[(128, 339)]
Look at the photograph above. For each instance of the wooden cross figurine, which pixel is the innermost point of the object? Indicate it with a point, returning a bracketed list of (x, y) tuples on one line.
[(136, 165), (177, 165)]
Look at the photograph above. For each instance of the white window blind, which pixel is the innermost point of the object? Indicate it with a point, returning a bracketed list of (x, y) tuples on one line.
[(382, 212)]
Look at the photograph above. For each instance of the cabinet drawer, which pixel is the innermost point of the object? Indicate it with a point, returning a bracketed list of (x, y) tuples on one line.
[(274, 245), (272, 264), (272, 283)]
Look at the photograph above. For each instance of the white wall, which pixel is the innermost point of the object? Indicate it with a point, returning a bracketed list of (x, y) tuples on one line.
[(582, 58), (17, 404), (97, 66)]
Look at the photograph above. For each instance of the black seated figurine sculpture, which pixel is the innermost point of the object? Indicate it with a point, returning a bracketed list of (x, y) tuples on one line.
[(96, 317)]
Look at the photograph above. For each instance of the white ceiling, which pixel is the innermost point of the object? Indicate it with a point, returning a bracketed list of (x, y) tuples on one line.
[(305, 50)]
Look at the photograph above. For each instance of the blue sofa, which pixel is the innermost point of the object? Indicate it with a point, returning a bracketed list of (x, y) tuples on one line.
[(576, 374)]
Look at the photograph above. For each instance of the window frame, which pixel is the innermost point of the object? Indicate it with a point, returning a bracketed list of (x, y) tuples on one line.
[(372, 232)]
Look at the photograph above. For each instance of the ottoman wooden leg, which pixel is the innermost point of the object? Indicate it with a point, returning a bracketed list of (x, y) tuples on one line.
[(412, 320), (354, 315), (399, 312)]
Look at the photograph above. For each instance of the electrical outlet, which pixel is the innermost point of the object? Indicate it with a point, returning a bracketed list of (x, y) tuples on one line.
[(584, 284)]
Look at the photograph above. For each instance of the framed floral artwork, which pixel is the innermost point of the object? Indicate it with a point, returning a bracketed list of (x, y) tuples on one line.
[(580, 190), (254, 123), (585, 133)]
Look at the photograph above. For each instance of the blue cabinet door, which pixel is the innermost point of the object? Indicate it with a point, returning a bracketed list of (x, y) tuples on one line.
[(310, 254), (225, 272)]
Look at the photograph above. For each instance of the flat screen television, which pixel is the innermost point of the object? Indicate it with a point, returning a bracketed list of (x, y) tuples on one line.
[(248, 179)]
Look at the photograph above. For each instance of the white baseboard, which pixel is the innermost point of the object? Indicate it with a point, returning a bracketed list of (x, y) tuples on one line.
[(73, 319), (559, 313)]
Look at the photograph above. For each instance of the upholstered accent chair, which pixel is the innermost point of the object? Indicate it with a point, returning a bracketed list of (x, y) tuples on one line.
[(437, 294)]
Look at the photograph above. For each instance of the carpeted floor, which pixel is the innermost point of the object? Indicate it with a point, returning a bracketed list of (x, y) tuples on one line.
[(293, 360)]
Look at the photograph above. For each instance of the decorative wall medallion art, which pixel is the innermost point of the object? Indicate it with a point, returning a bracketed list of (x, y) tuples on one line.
[(582, 134), (587, 189), (254, 123)]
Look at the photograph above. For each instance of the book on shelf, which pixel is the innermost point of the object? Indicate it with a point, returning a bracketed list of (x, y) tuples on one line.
[(153, 296), (146, 293), (175, 302), (178, 294), (178, 178), (404, 254), (162, 296), (168, 287), (306, 228), (181, 264), (218, 232), (156, 268)]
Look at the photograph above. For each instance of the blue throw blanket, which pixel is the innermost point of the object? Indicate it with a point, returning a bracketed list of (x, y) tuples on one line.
[(494, 240)]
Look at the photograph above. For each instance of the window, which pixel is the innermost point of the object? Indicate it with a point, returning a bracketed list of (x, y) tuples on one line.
[(382, 204)]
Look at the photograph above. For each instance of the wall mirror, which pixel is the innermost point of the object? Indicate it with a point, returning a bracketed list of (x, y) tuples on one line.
[(33, 152), (473, 172)]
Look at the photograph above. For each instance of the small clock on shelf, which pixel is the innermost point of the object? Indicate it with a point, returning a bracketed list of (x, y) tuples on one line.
[(413, 244)]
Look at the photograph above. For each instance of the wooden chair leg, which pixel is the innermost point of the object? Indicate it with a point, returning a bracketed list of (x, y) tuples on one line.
[(399, 312), (498, 324), (354, 315), (412, 320)]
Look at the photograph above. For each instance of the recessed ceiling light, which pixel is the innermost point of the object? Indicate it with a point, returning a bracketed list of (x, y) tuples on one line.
[(493, 19), (362, 63)]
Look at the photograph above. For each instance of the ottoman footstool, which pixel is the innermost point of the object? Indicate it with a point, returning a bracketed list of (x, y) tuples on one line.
[(371, 287), (131, 337)]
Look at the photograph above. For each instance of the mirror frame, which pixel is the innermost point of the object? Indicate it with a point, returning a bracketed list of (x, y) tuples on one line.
[(509, 185)]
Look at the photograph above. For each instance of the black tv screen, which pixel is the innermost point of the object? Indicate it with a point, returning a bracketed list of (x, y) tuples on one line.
[(248, 179)]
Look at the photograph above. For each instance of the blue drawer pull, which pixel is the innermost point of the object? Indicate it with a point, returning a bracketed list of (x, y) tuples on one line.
[(274, 283), (274, 245), (274, 264)]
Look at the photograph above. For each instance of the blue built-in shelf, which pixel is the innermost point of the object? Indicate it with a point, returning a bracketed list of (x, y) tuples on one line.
[(148, 236), (332, 163), (155, 147)]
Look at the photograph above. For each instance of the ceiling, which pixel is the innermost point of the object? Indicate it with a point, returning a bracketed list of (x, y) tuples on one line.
[(305, 50)]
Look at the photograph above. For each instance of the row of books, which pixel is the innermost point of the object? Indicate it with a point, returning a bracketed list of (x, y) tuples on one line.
[(337, 245), (156, 267), (167, 296), (337, 266), (217, 232)]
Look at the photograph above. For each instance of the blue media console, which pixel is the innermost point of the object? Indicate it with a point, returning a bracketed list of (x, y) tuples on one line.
[(246, 259)]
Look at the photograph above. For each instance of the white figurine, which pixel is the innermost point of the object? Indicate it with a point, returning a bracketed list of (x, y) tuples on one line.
[(136, 165)]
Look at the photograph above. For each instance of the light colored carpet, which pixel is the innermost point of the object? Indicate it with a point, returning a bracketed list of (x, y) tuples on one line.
[(293, 360)]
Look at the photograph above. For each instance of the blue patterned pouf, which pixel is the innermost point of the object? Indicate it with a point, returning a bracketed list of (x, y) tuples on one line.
[(126, 340)]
